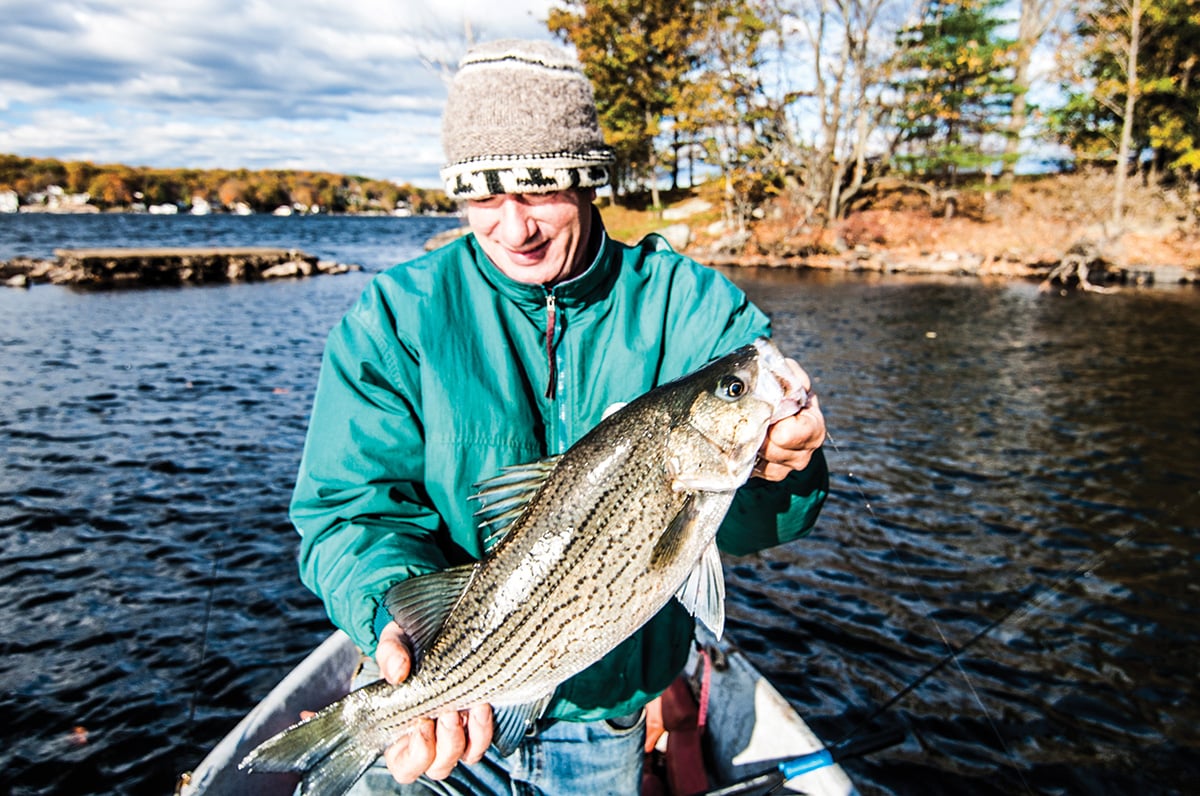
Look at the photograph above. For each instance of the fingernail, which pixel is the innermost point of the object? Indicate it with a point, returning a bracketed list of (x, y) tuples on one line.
[(391, 670)]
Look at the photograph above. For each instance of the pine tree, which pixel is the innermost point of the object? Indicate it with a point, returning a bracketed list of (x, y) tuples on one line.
[(954, 78)]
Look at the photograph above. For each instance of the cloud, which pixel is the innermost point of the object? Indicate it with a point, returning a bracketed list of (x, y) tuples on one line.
[(350, 87)]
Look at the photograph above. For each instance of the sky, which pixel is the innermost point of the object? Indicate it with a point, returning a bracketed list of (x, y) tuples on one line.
[(348, 86)]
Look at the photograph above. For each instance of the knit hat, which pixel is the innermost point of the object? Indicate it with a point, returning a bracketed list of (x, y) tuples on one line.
[(521, 118)]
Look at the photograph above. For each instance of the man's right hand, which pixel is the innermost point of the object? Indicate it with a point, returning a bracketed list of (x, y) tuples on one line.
[(434, 747)]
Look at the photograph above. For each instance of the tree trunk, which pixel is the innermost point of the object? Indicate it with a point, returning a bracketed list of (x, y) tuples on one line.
[(675, 148), (655, 200), (1016, 122), (1131, 90)]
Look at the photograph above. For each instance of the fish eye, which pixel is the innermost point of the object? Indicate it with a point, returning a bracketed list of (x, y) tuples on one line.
[(730, 388)]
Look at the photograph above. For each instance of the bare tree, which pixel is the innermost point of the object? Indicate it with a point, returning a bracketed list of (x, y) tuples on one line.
[(844, 68), (443, 48), (1129, 52)]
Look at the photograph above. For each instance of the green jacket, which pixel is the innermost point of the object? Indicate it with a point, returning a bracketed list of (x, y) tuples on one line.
[(439, 376)]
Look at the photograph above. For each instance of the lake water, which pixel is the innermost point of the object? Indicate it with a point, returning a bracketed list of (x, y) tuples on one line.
[(985, 440)]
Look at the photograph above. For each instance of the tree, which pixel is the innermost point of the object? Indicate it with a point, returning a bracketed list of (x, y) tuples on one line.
[(1035, 20), (1099, 119), (1133, 9), (1172, 59), (268, 190), (956, 90), (724, 107), (118, 185), (111, 188), (79, 176), (162, 187), (44, 172), (304, 194), (637, 54), (231, 192), (1133, 72), (837, 42)]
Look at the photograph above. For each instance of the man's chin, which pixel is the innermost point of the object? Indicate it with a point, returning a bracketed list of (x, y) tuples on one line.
[(535, 272)]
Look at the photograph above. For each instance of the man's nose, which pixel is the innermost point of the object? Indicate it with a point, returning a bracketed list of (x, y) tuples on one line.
[(516, 225)]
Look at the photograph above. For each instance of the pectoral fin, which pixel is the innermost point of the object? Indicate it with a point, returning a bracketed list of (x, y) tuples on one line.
[(682, 526), (703, 593)]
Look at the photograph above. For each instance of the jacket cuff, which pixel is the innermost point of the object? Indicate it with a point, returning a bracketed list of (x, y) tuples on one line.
[(382, 617)]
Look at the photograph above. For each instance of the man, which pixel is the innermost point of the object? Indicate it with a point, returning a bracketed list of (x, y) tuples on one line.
[(504, 347)]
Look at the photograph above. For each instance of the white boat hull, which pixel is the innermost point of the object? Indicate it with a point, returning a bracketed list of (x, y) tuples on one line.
[(749, 727)]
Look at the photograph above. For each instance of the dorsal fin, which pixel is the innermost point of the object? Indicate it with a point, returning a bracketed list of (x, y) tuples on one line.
[(502, 498), (420, 605)]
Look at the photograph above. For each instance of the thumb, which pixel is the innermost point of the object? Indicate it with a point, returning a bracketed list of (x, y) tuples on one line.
[(392, 654)]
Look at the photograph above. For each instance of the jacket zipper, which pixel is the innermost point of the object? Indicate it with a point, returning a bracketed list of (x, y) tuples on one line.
[(552, 381)]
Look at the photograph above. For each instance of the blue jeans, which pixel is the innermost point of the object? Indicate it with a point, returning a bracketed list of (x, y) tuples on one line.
[(563, 757)]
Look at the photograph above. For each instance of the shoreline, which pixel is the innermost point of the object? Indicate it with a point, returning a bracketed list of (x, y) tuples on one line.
[(888, 262), (1083, 266), (117, 267)]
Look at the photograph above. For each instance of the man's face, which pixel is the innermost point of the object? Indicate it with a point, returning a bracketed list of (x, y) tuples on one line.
[(537, 239)]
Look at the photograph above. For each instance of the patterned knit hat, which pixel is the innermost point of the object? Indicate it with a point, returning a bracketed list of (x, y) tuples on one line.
[(521, 118)]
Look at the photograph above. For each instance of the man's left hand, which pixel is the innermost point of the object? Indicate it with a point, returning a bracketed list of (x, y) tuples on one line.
[(791, 441)]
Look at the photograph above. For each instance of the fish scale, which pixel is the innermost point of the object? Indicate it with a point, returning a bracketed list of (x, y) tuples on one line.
[(623, 521)]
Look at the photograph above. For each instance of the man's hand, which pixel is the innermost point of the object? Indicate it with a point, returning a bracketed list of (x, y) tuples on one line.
[(791, 441), (435, 747), (654, 723)]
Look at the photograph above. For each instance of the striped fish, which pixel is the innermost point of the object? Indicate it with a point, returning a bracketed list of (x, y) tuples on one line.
[(591, 545)]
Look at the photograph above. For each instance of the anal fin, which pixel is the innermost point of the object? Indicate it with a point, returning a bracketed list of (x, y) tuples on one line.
[(513, 723)]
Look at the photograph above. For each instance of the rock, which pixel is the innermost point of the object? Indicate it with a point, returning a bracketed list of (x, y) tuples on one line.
[(109, 268), (442, 238), (733, 243), (678, 235), (686, 209), (1152, 275), (289, 269), (333, 268)]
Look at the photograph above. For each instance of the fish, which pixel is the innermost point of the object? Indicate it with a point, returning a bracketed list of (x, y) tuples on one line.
[(581, 550)]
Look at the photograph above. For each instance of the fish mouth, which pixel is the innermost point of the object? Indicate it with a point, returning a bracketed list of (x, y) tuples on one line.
[(785, 389)]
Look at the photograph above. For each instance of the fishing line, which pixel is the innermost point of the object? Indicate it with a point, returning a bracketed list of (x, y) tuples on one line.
[(1035, 596), (1038, 596), (853, 744), (951, 655), (208, 606)]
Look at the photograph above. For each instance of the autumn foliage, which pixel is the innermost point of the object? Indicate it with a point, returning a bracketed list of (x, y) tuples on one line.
[(115, 185)]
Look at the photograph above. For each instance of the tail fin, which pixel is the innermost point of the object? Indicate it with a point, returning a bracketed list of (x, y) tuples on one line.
[(329, 748), (341, 769), (300, 746)]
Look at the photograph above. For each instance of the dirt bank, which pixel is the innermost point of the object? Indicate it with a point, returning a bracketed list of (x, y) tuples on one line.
[(1025, 232)]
